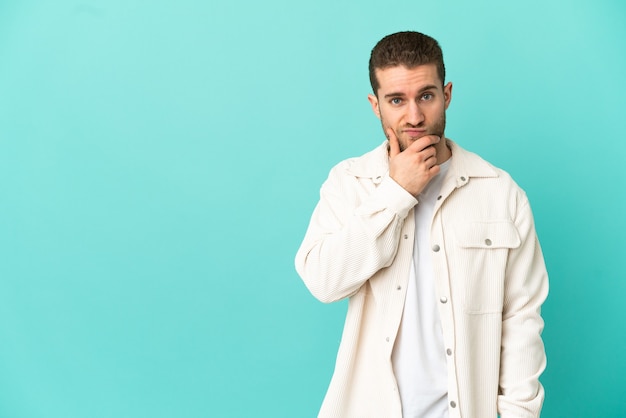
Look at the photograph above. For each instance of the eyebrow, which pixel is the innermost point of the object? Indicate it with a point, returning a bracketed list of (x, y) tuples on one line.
[(422, 90)]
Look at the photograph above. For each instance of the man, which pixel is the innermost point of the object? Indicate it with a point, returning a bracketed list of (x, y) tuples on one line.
[(436, 250)]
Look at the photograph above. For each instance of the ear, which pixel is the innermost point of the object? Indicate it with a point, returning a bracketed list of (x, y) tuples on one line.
[(447, 94), (374, 102)]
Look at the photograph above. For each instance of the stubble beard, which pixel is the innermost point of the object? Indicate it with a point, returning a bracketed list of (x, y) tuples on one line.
[(438, 128)]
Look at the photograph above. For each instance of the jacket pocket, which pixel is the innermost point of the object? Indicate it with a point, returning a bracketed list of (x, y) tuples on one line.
[(483, 249)]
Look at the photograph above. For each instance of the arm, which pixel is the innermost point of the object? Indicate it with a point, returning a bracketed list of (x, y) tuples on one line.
[(354, 234), (523, 357), (348, 241)]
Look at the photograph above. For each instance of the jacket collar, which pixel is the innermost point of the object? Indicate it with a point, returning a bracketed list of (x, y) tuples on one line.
[(463, 164), (372, 164)]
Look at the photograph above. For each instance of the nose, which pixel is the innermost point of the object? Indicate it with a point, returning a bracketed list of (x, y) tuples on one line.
[(414, 116)]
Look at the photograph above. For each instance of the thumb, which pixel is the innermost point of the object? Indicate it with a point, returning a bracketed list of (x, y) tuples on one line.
[(394, 144)]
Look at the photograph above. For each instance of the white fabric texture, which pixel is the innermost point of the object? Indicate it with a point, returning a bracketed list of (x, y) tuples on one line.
[(419, 359), (490, 281)]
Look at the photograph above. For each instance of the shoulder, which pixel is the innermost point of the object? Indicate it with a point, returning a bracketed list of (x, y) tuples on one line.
[(484, 185), (372, 164), (472, 165)]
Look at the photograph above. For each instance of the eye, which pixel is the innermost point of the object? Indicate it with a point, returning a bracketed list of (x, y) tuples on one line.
[(395, 101), (427, 96)]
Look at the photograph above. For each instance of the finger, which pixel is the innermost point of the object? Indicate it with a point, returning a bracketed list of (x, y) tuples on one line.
[(424, 142), (394, 144), (429, 152)]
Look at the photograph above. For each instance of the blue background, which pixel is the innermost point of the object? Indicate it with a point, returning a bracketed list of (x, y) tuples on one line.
[(159, 162)]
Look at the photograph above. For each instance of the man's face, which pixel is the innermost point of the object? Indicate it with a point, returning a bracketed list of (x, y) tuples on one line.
[(412, 102)]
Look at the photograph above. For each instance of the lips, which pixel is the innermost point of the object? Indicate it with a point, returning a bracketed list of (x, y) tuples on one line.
[(415, 132)]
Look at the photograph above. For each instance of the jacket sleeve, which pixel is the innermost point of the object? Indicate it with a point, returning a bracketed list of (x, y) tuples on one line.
[(523, 358), (352, 234)]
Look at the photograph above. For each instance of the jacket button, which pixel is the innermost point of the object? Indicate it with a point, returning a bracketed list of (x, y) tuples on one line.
[(449, 352), (443, 299), (453, 404), (488, 242), (436, 248)]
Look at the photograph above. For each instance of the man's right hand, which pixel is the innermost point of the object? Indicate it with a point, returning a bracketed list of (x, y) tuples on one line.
[(414, 167)]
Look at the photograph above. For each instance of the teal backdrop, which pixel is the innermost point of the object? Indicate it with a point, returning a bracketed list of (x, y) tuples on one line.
[(159, 162)]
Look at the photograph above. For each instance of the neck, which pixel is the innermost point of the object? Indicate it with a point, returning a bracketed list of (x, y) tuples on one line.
[(443, 151)]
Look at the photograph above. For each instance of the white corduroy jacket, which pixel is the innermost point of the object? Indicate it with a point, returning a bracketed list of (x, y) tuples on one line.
[(490, 279)]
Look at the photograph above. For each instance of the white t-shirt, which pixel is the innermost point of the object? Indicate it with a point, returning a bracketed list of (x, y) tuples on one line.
[(419, 359)]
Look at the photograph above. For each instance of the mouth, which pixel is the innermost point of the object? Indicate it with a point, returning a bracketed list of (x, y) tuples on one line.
[(415, 133)]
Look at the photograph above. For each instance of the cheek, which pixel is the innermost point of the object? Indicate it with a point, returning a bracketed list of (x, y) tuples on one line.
[(436, 114), (390, 116)]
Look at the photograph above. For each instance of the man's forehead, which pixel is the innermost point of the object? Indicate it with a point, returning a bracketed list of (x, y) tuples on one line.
[(401, 76)]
